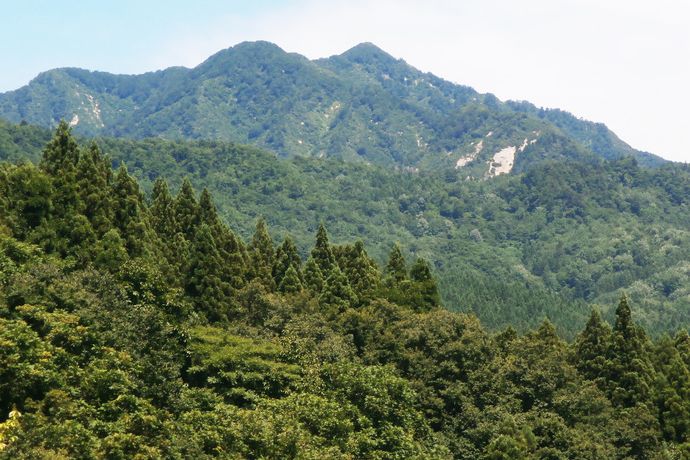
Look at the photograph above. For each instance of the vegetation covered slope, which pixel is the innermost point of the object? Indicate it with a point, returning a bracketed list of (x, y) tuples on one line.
[(135, 330), (363, 105), (513, 250)]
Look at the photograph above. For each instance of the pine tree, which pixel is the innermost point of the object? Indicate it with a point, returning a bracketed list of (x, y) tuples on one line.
[(286, 257), (187, 210), (322, 252)]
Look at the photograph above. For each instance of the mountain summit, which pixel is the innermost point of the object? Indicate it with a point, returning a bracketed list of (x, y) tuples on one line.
[(363, 105)]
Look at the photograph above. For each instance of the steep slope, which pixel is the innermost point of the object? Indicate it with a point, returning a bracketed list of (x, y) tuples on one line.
[(363, 105)]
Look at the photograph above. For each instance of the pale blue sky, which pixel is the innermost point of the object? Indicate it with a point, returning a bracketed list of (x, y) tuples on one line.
[(624, 63)]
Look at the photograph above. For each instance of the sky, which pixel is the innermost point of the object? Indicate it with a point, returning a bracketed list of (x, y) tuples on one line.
[(623, 63)]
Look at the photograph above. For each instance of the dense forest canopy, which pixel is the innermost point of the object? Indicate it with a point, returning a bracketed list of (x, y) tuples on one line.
[(143, 326), (547, 243)]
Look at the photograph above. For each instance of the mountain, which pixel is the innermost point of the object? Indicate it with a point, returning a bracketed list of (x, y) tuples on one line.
[(363, 105)]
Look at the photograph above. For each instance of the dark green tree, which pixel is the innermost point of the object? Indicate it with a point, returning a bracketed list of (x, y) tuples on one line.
[(425, 292), (187, 210), (322, 252), (262, 255), (205, 284), (290, 283), (286, 256)]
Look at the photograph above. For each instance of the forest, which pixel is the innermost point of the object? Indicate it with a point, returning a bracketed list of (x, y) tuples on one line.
[(136, 323), (550, 242)]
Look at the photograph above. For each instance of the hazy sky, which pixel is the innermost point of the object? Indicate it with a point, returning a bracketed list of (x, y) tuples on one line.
[(624, 63)]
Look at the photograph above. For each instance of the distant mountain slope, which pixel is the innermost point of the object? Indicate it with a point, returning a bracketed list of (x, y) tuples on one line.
[(512, 250), (363, 105)]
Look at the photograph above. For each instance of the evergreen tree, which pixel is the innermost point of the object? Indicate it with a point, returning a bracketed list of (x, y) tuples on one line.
[(209, 291), (163, 211), (187, 210), (313, 278), (110, 251), (207, 210), (630, 373), (322, 252), (262, 255), (360, 270), (130, 214), (591, 348), (94, 179), (290, 283), (286, 257), (396, 268), (426, 294), (337, 295), (61, 155)]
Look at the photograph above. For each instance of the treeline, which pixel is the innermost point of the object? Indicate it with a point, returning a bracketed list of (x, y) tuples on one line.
[(134, 328)]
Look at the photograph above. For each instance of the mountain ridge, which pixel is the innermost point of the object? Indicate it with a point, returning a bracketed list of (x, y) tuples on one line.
[(362, 105)]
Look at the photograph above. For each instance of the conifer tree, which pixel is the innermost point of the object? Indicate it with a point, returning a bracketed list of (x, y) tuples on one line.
[(591, 348), (424, 286), (110, 251), (62, 152), (207, 210), (322, 252), (163, 211), (337, 295), (286, 257), (130, 214), (290, 283), (187, 210), (630, 373), (396, 268), (360, 270), (313, 278), (94, 176), (211, 294), (262, 255)]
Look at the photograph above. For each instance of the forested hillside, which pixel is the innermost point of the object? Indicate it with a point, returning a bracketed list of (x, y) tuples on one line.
[(147, 328), (362, 106), (135, 328), (513, 250)]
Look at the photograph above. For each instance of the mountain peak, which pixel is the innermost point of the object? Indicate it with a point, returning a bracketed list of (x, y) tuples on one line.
[(366, 52)]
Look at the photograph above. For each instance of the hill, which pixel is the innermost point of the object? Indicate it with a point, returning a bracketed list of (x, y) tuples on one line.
[(151, 330), (363, 106), (513, 250)]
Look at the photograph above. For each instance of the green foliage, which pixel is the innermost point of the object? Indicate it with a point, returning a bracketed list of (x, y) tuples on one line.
[(111, 350)]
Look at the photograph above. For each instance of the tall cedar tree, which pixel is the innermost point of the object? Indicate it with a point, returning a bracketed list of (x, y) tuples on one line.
[(262, 255), (286, 257), (205, 284), (322, 252), (187, 210)]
